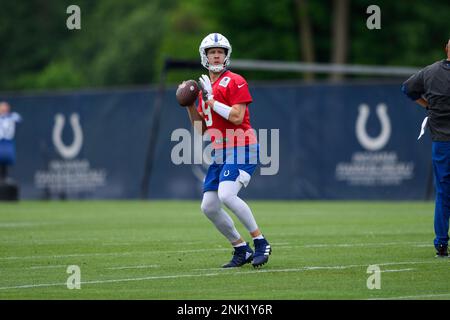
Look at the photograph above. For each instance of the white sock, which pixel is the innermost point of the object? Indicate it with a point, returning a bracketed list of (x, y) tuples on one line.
[(258, 237), (242, 244), (227, 193)]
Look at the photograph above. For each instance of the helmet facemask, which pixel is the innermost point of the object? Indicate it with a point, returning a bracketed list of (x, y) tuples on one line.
[(218, 67)]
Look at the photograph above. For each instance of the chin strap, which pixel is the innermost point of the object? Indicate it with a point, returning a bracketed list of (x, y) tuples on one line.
[(216, 68)]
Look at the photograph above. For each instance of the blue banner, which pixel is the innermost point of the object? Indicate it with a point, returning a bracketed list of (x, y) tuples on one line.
[(325, 141)]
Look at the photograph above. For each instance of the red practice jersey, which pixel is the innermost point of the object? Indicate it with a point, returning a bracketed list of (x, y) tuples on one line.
[(230, 89)]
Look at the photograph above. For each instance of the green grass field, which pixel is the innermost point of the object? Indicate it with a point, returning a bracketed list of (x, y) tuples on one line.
[(169, 250)]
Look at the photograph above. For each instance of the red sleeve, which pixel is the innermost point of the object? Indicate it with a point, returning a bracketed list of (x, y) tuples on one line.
[(239, 92)]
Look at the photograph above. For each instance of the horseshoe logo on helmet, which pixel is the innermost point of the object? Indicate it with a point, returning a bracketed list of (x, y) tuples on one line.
[(376, 143), (71, 151)]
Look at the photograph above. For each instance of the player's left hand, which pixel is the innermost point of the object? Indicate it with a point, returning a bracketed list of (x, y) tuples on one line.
[(205, 83)]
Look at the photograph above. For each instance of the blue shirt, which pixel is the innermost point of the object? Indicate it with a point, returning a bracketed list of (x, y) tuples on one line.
[(8, 125)]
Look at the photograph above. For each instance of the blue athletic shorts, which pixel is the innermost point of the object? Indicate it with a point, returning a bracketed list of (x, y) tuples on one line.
[(231, 164)]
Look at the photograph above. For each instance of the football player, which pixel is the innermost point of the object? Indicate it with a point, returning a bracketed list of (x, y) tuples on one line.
[(224, 115)]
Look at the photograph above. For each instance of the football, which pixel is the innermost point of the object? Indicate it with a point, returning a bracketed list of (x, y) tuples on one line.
[(187, 93)]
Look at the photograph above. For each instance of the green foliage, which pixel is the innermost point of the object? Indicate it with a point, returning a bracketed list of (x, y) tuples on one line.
[(263, 30), (126, 42), (31, 36), (121, 42), (117, 45), (412, 33), (259, 30), (186, 25), (58, 75)]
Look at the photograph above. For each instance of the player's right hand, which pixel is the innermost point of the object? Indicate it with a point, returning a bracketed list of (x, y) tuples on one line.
[(205, 83)]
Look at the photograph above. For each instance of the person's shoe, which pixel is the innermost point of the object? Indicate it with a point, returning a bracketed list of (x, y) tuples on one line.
[(442, 251), (262, 252), (241, 256)]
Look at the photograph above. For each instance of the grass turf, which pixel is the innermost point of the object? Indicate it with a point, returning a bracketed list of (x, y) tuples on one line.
[(170, 250)]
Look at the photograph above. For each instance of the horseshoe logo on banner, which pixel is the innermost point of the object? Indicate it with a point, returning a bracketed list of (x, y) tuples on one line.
[(71, 151), (367, 142)]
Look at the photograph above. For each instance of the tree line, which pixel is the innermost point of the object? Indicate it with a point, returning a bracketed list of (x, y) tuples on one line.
[(124, 43)]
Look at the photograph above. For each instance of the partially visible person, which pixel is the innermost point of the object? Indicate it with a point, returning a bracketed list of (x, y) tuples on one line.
[(430, 88), (8, 121)]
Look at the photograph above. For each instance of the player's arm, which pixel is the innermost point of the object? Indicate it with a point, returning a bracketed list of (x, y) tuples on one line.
[(196, 118), (16, 117), (414, 88), (422, 102), (235, 114)]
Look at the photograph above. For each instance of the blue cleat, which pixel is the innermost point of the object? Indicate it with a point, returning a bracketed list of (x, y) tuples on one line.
[(241, 256), (262, 252)]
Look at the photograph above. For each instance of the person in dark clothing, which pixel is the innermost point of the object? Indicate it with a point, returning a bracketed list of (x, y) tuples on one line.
[(430, 88)]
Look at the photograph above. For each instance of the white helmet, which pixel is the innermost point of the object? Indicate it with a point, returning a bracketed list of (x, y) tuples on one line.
[(215, 40)]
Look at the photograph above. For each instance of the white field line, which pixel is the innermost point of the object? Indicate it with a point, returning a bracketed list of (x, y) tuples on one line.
[(330, 267), (26, 286), (103, 241), (71, 240), (205, 250), (413, 297), (362, 244), (134, 267), (108, 254), (48, 241), (26, 224), (397, 270), (110, 242), (70, 255), (117, 244), (49, 266)]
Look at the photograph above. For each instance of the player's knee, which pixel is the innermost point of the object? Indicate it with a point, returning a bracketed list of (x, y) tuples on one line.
[(209, 207), (225, 196), (205, 207)]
